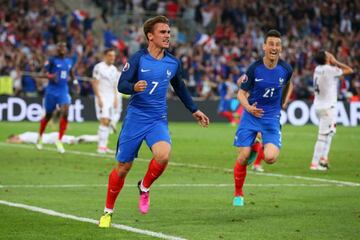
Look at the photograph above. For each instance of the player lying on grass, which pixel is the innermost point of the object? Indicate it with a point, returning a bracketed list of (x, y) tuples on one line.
[(50, 138), (326, 79), (146, 77), (265, 88)]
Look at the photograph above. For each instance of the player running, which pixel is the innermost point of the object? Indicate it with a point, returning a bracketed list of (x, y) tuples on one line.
[(326, 79), (57, 93), (146, 77), (107, 98), (265, 88)]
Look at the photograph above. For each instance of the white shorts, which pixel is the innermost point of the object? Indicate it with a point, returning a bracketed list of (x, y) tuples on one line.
[(106, 111), (327, 120)]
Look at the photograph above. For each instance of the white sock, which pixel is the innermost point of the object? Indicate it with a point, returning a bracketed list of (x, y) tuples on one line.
[(108, 210), (319, 148), (103, 133), (142, 188), (327, 147)]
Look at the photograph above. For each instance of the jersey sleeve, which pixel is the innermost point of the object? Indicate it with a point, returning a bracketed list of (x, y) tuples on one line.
[(49, 65), (96, 72), (247, 82), (128, 76), (336, 72), (181, 91)]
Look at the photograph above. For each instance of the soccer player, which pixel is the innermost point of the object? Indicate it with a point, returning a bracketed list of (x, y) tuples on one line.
[(226, 93), (146, 77), (265, 88), (57, 93), (107, 98), (49, 138), (326, 79)]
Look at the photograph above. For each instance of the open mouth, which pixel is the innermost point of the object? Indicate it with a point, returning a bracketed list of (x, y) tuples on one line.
[(273, 53)]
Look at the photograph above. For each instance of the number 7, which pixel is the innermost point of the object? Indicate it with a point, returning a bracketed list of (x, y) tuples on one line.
[(153, 89)]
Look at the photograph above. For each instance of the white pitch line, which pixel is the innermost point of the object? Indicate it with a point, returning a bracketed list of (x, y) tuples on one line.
[(89, 220), (348, 183), (186, 185)]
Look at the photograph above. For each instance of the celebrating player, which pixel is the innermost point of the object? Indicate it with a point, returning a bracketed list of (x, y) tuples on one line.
[(265, 88), (146, 77), (326, 77), (107, 99), (57, 93)]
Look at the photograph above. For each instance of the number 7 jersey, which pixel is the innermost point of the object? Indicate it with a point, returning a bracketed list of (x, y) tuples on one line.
[(265, 86), (158, 73)]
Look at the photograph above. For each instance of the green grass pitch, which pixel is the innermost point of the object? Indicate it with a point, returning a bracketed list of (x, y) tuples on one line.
[(190, 202)]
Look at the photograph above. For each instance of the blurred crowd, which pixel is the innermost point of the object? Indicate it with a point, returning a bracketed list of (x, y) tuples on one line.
[(224, 38)]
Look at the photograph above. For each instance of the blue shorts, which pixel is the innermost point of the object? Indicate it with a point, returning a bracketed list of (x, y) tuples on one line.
[(228, 105), (250, 126), (134, 132), (53, 99)]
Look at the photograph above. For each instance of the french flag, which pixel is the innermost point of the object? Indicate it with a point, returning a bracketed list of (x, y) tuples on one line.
[(111, 40), (202, 38), (80, 15)]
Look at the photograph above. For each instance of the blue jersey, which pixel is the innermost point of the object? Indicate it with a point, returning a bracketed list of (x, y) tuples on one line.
[(151, 104), (265, 86), (61, 67)]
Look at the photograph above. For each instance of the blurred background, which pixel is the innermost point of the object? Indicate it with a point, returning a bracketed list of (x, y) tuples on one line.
[(216, 40)]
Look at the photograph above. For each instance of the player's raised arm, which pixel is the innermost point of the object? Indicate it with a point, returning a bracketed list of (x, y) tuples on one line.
[(345, 68), (182, 92), (49, 69)]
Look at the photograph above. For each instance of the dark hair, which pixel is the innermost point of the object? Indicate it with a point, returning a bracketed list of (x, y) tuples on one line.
[(320, 57), (106, 51), (272, 33), (150, 23), (11, 136)]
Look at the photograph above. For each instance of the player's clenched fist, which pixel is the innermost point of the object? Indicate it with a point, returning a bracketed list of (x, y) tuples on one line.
[(140, 86)]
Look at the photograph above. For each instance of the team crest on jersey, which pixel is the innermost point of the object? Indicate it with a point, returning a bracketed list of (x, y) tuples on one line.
[(281, 80), (126, 67), (168, 73)]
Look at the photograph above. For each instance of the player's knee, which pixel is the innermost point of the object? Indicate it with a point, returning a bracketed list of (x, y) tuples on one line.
[(105, 122), (162, 157), (243, 158), (123, 170), (270, 160)]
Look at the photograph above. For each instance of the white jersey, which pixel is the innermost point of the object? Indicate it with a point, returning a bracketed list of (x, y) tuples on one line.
[(108, 77), (47, 138), (326, 79)]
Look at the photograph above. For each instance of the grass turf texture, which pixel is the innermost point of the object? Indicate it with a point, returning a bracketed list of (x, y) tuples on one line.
[(325, 211)]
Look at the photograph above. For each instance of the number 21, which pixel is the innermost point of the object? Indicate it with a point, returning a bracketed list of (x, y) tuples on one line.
[(269, 92)]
